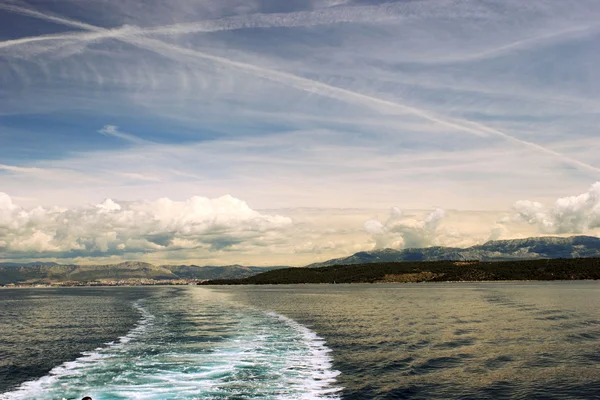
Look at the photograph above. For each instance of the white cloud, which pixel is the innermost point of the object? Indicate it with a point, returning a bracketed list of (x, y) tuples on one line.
[(573, 214), (375, 122), (112, 228), (401, 232), (112, 130), (16, 169), (397, 107), (221, 231)]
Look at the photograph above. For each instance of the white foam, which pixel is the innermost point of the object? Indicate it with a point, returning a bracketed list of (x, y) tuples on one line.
[(320, 382), (263, 355), (33, 389)]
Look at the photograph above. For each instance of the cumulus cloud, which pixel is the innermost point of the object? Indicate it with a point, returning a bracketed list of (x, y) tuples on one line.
[(400, 232), (573, 214), (113, 228)]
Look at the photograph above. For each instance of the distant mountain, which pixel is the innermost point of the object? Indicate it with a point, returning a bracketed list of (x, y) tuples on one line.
[(495, 250), (31, 264), (52, 272), (210, 272)]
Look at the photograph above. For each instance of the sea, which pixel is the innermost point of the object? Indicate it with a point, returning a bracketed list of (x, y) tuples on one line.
[(529, 340)]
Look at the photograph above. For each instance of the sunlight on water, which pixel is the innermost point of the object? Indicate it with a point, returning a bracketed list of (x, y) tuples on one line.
[(536, 340)]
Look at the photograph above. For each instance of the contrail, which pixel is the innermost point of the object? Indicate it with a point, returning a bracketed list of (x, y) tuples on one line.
[(37, 14), (364, 14), (69, 36), (307, 85), (335, 15), (111, 130), (332, 15), (519, 44)]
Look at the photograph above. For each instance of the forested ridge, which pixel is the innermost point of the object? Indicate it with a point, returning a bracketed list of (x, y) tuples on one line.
[(429, 271)]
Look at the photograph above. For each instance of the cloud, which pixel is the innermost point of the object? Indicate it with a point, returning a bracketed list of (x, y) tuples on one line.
[(312, 86), (16, 169), (400, 232), (333, 14), (399, 100), (112, 130), (113, 228), (573, 214), (390, 12)]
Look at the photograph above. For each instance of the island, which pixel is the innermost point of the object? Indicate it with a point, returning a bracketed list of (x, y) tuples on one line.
[(428, 271)]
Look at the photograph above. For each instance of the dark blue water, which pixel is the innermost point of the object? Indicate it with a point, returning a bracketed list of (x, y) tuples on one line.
[(407, 341)]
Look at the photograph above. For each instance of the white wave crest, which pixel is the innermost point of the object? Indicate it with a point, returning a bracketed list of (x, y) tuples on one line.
[(33, 389), (212, 351), (320, 383)]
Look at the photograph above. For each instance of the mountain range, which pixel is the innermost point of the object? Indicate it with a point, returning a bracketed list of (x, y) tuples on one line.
[(52, 272), (495, 250)]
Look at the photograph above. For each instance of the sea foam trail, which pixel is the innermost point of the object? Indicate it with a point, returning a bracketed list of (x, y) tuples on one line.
[(37, 388), (321, 381), (212, 351)]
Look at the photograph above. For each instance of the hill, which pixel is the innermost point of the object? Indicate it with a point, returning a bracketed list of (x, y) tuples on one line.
[(211, 272), (50, 272), (30, 264), (496, 250), (429, 271)]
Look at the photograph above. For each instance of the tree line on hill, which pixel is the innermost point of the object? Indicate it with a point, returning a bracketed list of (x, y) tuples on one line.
[(429, 271)]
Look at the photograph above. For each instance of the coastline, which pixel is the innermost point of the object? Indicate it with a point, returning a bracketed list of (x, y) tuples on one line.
[(84, 285), (543, 270), (430, 271), (38, 285)]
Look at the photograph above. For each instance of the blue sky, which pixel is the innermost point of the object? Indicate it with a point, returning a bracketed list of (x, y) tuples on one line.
[(320, 105)]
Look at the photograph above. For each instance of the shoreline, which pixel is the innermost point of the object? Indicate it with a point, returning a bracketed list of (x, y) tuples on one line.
[(59, 286), (401, 283), (93, 284)]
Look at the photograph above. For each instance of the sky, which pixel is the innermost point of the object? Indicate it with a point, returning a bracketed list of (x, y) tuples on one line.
[(271, 132)]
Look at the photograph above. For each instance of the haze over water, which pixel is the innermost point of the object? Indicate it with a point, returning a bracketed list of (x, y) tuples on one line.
[(422, 341)]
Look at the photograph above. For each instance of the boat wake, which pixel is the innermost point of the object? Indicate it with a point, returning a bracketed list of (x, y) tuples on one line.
[(209, 351)]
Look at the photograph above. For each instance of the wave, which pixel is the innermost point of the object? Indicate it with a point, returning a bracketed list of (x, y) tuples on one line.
[(35, 389), (212, 351), (321, 380)]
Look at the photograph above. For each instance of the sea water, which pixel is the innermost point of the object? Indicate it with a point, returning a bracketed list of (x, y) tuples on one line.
[(413, 341)]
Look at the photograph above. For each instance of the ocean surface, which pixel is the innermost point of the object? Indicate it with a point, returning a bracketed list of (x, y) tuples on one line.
[(406, 341)]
